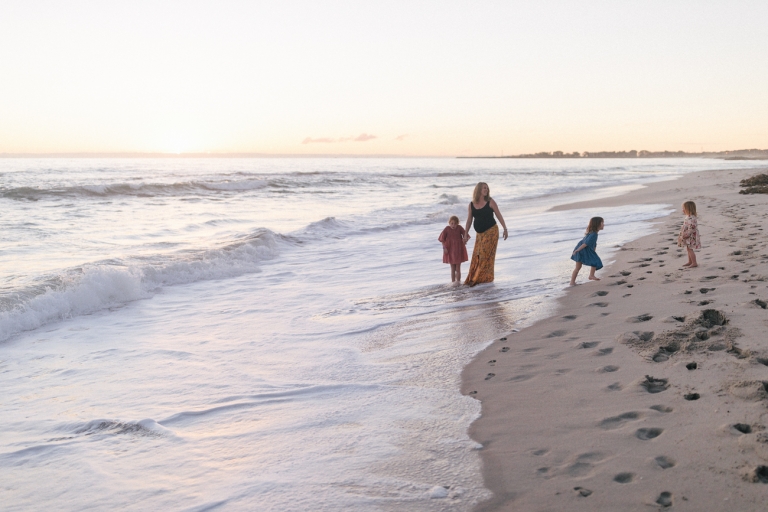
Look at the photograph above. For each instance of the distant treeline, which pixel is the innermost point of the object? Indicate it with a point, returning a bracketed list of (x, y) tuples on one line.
[(739, 154)]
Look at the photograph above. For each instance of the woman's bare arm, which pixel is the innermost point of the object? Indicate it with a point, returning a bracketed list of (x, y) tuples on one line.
[(469, 223), (495, 209)]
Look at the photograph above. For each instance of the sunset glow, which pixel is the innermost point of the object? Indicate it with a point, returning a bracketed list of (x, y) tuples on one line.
[(388, 78)]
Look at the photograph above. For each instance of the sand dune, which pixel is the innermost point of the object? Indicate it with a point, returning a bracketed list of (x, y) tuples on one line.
[(648, 389)]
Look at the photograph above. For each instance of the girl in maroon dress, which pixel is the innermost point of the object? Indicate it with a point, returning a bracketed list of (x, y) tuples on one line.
[(454, 249)]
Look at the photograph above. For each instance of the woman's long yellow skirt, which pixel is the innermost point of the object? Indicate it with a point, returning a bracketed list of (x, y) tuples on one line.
[(483, 257)]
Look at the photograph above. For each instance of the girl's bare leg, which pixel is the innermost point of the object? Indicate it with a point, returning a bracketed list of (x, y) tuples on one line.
[(575, 273), (688, 264), (592, 274), (453, 272), (692, 258), (458, 272)]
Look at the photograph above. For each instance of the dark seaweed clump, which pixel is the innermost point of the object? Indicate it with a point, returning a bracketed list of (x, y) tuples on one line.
[(755, 185)]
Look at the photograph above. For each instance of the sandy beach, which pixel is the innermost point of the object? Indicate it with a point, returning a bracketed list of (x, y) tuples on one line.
[(646, 390)]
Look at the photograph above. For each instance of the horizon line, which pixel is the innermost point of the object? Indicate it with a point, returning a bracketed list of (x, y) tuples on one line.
[(149, 154)]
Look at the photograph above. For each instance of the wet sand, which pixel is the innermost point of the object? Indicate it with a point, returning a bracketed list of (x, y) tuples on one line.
[(648, 389)]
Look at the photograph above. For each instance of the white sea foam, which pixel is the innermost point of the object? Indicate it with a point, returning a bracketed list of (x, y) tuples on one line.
[(96, 287)]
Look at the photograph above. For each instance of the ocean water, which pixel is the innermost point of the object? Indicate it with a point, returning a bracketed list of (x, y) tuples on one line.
[(268, 334)]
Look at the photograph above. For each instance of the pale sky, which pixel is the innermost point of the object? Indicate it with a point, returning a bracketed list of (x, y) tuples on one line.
[(389, 77)]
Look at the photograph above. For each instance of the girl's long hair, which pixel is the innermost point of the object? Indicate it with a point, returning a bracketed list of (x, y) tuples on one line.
[(478, 193), (594, 225), (690, 208)]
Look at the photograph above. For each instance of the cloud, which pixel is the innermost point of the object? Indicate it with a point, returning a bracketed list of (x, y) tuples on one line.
[(310, 140), (363, 137), (401, 137)]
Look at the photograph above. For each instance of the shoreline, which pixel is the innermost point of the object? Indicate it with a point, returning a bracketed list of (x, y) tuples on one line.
[(569, 420)]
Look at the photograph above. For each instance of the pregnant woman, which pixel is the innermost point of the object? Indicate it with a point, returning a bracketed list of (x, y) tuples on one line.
[(481, 210)]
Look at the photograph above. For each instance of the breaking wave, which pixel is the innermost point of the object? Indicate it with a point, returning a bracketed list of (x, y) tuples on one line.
[(99, 286), (134, 189)]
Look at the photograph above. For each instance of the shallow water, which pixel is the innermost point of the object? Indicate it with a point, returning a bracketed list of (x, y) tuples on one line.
[(272, 334)]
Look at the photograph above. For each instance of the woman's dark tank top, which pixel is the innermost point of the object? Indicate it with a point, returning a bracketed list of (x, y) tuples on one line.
[(483, 217)]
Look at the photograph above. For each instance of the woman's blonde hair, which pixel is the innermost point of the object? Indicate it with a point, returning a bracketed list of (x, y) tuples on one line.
[(478, 193), (689, 207), (453, 217)]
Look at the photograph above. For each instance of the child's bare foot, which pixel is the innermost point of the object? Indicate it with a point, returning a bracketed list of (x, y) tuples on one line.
[(593, 278), (572, 283), (687, 264), (693, 266)]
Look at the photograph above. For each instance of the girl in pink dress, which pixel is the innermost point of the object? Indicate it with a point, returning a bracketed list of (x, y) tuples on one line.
[(689, 233), (454, 249)]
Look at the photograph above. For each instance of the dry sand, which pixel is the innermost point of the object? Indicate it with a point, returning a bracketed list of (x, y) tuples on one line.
[(647, 389)]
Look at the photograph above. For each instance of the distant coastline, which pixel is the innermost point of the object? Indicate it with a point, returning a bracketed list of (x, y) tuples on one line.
[(739, 154)]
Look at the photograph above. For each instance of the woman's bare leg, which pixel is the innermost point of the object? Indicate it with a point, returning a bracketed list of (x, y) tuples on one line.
[(575, 273), (592, 274)]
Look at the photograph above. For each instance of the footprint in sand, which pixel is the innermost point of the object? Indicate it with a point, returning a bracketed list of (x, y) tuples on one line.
[(759, 474), (692, 366), (599, 304), (520, 378), (625, 273), (604, 351), (665, 462), (624, 478), (665, 499), (601, 293), (588, 344), (583, 464), (582, 491), (619, 421), (667, 351), (646, 434), (653, 385), (616, 386), (570, 317), (662, 408), (742, 428), (504, 349), (490, 376), (492, 362), (608, 369), (692, 396), (640, 318), (556, 334)]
